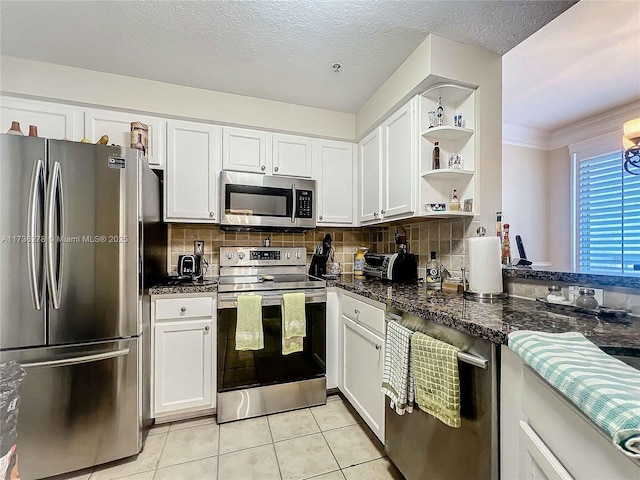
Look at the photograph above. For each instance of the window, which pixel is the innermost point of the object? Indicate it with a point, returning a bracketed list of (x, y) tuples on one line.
[(607, 215)]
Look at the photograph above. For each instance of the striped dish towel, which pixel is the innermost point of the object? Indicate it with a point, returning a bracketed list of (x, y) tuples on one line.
[(437, 383), (604, 388), (397, 381)]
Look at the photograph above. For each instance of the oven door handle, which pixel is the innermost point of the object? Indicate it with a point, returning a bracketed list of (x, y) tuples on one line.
[(230, 300)]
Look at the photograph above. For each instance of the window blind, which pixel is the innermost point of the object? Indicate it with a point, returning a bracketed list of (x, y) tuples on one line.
[(608, 216)]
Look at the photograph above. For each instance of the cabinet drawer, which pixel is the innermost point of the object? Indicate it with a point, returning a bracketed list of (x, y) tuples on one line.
[(363, 313), (184, 307)]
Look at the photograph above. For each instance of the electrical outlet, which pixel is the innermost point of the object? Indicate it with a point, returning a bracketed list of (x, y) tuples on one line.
[(198, 247)]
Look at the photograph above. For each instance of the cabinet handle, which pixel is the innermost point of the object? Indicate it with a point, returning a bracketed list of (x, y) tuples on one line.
[(356, 311), (275, 169), (382, 212), (320, 217), (207, 328), (378, 347), (212, 215), (183, 309), (375, 214), (263, 168)]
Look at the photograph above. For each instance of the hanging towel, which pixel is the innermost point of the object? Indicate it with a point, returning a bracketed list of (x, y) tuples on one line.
[(397, 381), (294, 322), (437, 384), (249, 331), (604, 388)]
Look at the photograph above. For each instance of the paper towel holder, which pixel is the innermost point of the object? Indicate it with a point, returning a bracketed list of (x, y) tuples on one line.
[(479, 297)]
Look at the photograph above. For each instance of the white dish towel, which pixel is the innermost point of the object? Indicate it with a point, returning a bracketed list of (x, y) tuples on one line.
[(397, 381)]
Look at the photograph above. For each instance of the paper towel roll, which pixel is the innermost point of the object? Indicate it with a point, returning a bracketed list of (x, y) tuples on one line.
[(485, 270)]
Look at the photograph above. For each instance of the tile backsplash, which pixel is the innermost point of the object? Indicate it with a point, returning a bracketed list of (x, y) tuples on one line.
[(449, 238), (182, 236)]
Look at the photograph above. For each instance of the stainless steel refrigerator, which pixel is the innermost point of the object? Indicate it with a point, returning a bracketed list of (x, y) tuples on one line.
[(82, 239)]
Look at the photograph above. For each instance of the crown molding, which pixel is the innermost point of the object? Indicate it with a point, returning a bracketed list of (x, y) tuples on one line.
[(529, 137), (610, 121)]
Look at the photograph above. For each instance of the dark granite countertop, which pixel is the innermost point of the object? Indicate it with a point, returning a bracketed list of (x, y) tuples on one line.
[(210, 285), (494, 321), (583, 279)]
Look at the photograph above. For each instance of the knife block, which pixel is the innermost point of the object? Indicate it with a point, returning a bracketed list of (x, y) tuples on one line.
[(318, 266)]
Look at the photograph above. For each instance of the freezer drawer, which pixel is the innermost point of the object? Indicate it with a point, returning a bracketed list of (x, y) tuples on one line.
[(78, 407)]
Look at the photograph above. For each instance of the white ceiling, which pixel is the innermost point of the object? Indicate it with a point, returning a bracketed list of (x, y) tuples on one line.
[(279, 50), (583, 63)]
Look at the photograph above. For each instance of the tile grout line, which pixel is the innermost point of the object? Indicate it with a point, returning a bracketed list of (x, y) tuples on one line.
[(218, 452), (273, 445)]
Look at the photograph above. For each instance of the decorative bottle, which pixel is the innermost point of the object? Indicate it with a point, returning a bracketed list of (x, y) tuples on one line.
[(506, 247), (454, 204), (434, 280), (440, 113), (436, 156), (15, 129), (499, 225)]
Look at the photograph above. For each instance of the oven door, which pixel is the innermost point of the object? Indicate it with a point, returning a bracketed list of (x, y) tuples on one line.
[(252, 201), (257, 368)]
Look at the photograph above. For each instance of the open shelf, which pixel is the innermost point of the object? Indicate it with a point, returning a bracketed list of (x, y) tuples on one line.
[(447, 132), (448, 214), (447, 174)]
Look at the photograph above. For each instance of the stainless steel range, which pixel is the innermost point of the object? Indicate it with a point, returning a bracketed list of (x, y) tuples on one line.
[(259, 382)]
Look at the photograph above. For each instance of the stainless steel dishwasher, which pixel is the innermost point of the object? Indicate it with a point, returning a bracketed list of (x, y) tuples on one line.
[(421, 446)]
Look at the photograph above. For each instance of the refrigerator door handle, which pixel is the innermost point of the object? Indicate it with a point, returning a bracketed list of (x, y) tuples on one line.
[(35, 192), (76, 360), (55, 233)]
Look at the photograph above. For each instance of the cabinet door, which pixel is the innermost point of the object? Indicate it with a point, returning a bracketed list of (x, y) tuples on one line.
[(537, 462), (118, 126), (184, 367), (244, 150), (292, 156), (370, 185), (399, 140), (335, 183), (363, 357), (191, 183), (53, 120)]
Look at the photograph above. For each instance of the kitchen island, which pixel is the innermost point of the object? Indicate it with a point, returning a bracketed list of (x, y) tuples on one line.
[(494, 321)]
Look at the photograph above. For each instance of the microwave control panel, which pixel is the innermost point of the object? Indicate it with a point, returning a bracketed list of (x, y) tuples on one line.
[(304, 203)]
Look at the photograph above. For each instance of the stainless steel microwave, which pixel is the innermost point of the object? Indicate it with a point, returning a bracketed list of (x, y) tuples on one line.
[(251, 201)]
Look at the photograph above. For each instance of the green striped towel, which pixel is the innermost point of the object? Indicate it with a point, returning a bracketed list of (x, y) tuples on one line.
[(437, 383), (604, 388)]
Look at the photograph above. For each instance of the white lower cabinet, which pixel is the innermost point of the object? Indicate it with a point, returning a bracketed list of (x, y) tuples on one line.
[(184, 361), (362, 357)]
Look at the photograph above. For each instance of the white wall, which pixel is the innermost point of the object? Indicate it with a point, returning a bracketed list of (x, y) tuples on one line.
[(560, 205), (69, 84), (526, 199)]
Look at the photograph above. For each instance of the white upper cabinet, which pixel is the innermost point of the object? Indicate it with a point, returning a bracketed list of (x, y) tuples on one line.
[(335, 187), (117, 125), (370, 177), (292, 156), (399, 138), (244, 150), (60, 122), (193, 165)]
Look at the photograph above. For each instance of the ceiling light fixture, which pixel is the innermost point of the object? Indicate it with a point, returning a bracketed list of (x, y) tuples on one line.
[(336, 67), (631, 144)]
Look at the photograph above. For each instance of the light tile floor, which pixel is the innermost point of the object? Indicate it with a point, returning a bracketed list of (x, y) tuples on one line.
[(328, 442)]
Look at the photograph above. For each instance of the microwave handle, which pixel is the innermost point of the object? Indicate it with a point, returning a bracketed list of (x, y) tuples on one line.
[(295, 204)]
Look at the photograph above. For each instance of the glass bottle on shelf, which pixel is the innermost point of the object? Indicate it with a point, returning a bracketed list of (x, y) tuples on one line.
[(454, 204), (435, 165), (499, 225), (440, 112), (506, 247)]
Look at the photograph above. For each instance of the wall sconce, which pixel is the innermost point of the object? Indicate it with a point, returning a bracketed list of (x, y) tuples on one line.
[(631, 144)]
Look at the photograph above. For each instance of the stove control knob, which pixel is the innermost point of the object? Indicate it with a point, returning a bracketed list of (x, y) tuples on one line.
[(298, 254), (241, 255), (230, 255), (288, 255)]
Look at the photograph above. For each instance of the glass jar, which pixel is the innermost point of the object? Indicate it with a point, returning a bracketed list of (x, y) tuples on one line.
[(555, 294), (586, 299)]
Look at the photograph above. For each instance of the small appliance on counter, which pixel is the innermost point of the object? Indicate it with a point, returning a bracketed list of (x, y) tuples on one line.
[(190, 266), (397, 267)]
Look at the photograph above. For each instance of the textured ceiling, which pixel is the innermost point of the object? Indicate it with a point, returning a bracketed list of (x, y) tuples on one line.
[(585, 62), (279, 50)]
